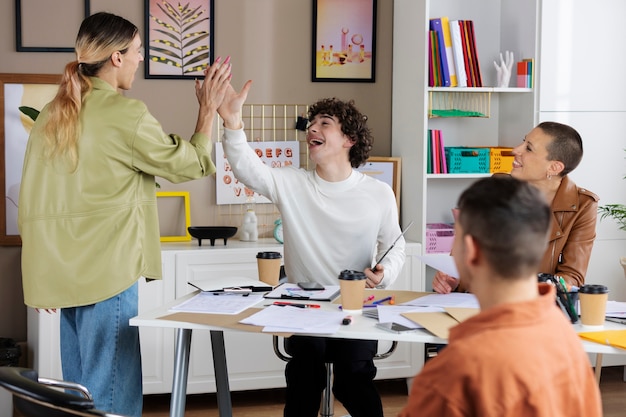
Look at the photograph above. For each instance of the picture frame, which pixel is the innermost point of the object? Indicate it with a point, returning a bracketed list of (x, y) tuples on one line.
[(176, 207), (29, 15), (178, 38), (32, 90), (344, 41), (387, 169)]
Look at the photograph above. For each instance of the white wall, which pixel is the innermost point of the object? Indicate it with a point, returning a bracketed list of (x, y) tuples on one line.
[(581, 84)]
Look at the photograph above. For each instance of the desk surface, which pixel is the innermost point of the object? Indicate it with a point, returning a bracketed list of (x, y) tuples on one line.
[(361, 327)]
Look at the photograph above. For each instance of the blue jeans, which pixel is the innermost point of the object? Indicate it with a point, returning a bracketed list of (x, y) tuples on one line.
[(100, 350)]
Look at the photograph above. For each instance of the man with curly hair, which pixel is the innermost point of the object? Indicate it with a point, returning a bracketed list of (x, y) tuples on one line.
[(334, 218)]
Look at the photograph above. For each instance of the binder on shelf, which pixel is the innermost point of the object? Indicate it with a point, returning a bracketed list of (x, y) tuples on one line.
[(436, 25), (447, 40), (457, 49)]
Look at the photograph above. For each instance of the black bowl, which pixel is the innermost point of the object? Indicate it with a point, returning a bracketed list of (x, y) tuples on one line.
[(212, 233)]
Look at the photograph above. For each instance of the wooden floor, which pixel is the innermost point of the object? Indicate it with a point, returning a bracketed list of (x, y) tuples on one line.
[(267, 403)]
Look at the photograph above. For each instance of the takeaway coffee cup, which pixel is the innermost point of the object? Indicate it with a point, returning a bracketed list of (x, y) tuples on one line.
[(269, 267), (352, 289), (593, 300)]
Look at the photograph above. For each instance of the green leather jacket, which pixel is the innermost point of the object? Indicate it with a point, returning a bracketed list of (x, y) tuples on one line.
[(90, 234)]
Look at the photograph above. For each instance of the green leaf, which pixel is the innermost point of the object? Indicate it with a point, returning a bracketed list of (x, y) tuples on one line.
[(30, 112)]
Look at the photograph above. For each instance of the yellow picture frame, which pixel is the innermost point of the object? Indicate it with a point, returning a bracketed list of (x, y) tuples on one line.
[(187, 208)]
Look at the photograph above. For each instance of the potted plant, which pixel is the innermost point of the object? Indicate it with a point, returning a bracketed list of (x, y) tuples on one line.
[(617, 212)]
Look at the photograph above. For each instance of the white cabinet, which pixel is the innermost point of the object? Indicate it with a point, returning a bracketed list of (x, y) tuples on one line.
[(252, 363), (499, 26)]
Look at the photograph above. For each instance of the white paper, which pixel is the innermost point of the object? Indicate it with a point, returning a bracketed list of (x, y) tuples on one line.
[(290, 319), (393, 314), (440, 262), (220, 303), (453, 299), (616, 309)]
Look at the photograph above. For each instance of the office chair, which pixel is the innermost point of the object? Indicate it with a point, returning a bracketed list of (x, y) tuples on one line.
[(44, 397), (326, 409)]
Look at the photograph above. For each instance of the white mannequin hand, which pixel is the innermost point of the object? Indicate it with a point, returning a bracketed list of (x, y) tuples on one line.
[(504, 69)]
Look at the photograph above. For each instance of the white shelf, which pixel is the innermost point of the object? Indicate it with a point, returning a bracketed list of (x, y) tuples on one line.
[(456, 176), (481, 89)]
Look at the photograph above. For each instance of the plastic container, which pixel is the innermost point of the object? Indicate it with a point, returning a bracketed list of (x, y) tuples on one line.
[(466, 160), (439, 237), (500, 159)]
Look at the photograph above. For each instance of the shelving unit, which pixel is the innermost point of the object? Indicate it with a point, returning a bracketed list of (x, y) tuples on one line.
[(510, 113)]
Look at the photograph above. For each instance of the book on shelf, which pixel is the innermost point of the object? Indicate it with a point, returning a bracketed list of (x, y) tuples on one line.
[(447, 40), (525, 73), (457, 49), (436, 163), (530, 69), (521, 74), (478, 79), (437, 27)]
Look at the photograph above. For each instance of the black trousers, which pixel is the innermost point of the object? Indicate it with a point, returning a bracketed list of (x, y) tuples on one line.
[(353, 369)]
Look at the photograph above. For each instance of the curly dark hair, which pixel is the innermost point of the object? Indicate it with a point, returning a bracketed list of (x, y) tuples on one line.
[(353, 124)]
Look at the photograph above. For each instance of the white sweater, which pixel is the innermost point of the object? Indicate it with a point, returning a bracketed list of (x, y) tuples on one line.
[(327, 226)]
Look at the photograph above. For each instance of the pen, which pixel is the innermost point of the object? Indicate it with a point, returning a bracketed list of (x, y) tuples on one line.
[(392, 245), (364, 306), (370, 298), (283, 304), (391, 300)]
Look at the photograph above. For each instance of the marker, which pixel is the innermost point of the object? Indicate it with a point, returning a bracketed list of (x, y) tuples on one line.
[(283, 304), (370, 298), (346, 320)]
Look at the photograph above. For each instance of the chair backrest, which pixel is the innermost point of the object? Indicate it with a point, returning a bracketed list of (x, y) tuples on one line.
[(38, 397)]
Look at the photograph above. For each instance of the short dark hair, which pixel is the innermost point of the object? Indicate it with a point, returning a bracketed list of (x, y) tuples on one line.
[(566, 145), (353, 123), (509, 219)]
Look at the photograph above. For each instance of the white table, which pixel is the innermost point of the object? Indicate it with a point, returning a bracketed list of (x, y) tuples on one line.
[(361, 328)]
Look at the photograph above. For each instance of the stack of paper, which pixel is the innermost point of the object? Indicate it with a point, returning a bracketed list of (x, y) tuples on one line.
[(289, 319), (218, 303)]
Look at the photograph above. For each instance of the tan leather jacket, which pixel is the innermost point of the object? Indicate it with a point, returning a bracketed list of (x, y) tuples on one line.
[(574, 212)]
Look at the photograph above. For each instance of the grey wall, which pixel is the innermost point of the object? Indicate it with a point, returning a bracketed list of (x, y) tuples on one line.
[(269, 42)]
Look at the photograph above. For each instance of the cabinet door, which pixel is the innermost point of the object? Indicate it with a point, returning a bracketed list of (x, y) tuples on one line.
[(251, 361), (157, 344)]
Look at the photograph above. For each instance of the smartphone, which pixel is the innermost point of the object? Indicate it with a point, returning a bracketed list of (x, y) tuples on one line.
[(394, 327), (311, 286)]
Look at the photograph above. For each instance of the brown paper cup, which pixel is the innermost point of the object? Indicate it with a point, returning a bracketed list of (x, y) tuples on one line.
[(593, 300), (268, 264), (352, 289)]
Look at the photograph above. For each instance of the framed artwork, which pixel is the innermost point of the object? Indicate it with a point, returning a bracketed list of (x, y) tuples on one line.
[(179, 38), (344, 41), (386, 169), (177, 202), (17, 90), (53, 23)]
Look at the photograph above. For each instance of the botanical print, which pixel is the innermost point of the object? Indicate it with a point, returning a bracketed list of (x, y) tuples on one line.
[(178, 38)]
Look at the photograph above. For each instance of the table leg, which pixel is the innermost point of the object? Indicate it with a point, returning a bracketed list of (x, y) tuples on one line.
[(181, 372), (221, 374)]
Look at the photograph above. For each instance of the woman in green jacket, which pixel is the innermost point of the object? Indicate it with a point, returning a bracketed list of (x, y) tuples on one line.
[(87, 207)]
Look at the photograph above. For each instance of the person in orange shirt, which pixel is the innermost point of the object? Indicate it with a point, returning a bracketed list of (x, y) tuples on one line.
[(519, 356)]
